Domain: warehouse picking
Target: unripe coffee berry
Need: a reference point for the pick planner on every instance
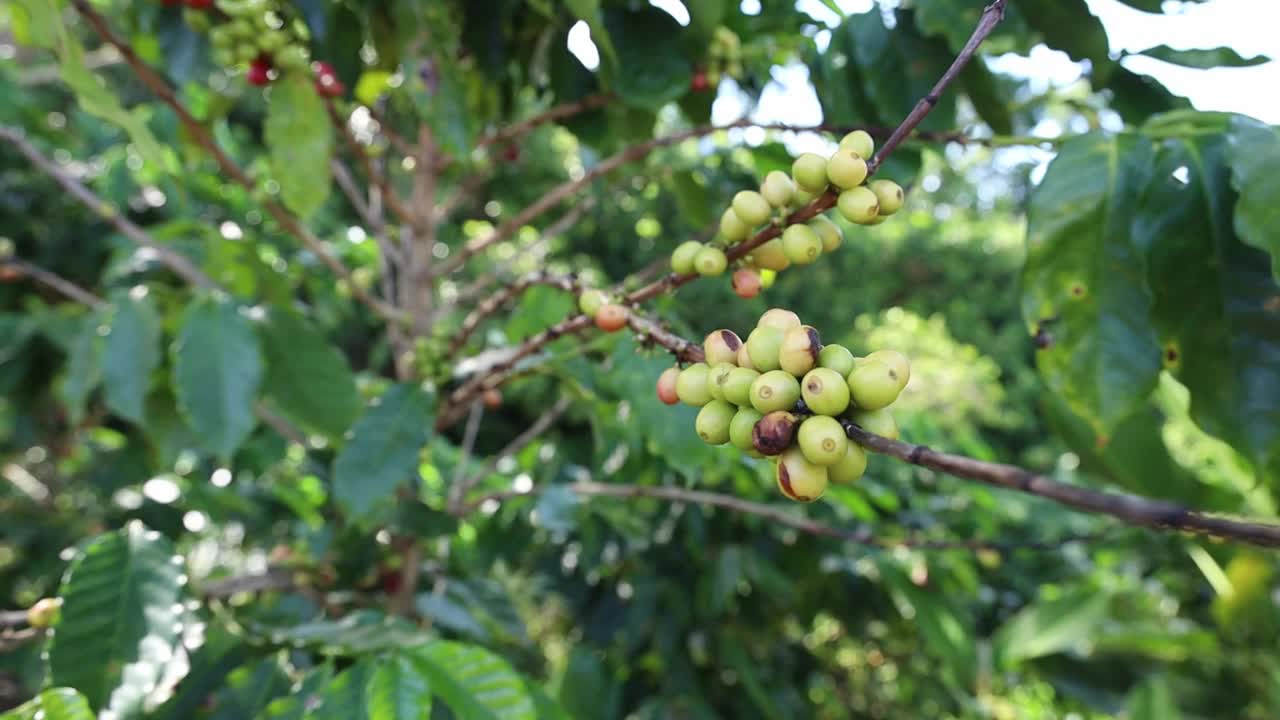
(801, 244)
(822, 440)
(590, 301)
(771, 256)
(752, 208)
(799, 479)
(836, 357)
(779, 318)
(732, 228)
(736, 388)
(858, 205)
(810, 172)
(830, 233)
(880, 422)
(667, 386)
(774, 432)
(712, 424)
(799, 352)
(611, 317)
(846, 169)
(873, 385)
(825, 392)
(744, 358)
(682, 257)
(44, 612)
(762, 346)
(746, 283)
(778, 189)
(860, 142)
(721, 346)
(716, 378)
(710, 261)
(889, 193)
(898, 363)
(692, 385)
(850, 467)
(774, 390)
(741, 427)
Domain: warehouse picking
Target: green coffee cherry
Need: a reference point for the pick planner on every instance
(713, 421)
(825, 392)
(858, 205)
(272, 41)
(860, 142)
(716, 377)
(224, 57)
(771, 256)
(682, 257)
(802, 197)
(721, 346)
(752, 208)
(589, 301)
(836, 357)
(774, 432)
(732, 228)
(828, 231)
(246, 52)
(774, 390)
(873, 385)
(744, 358)
(810, 172)
(850, 467)
(800, 479)
(778, 189)
(898, 363)
(822, 440)
(880, 422)
(778, 318)
(762, 346)
(691, 386)
(736, 388)
(846, 169)
(197, 20)
(294, 59)
(710, 261)
(740, 428)
(799, 351)
(889, 193)
(801, 244)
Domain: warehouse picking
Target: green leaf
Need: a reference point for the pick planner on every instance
(653, 69)
(983, 90)
(1152, 700)
(1047, 627)
(84, 365)
(588, 11)
(382, 454)
(896, 67)
(1254, 153)
(121, 618)
(250, 689)
(539, 308)
(216, 372)
(130, 354)
(1221, 339)
(356, 633)
(307, 377)
(1070, 27)
(948, 635)
(300, 141)
(1084, 280)
(307, 693)
(397, 690)
(53, 704)
(1203, 58)
(346, 697)
(473, 682)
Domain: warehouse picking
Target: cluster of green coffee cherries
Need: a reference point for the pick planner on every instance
(262, 39)
(783, 394)
(860, 202)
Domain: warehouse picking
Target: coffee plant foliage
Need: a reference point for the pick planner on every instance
(258, 496)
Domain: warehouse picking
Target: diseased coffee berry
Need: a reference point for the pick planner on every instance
(810, 172)
(800, 479)
(873, 385)
(611, 317)
(771, 256)
(752, 208)
(590, 301)
(774, 390)
(846, 169)
(717, 377)
(889, 194)
(836, 357)
(721, 346)
(712, 424)
(860, 142)
(822, 440)
(897, 362)
(801, 244)
(741, 427)
(850, 467)
(778, 318)
(858, 205)
(710, 261)
(880, 422)
(682, 257)
(799, 352)
(737, 386)
(732, 228)
(744, 358)
(830, 233)
(778, 189)
(492, 398)
(774, 432)
(692, 385)
(762, 346)
(825, 391)
(746, 283)
(44, 612)
(667, 386)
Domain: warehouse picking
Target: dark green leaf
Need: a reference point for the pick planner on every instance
(1138, 97)
(1047, 627)
(216, 373)
(473, 682)
(984, 92)
(653, 69)
(356, 633)
(1254, 153)
(121, 617)
(84, 365)
(1070, 27)
(300, 140)
(1153, 700)
(894, 68)
(948, 635)
(130, 354)
(307, 378)
(397, 690)
(249, 689)
(1203, 58)
(382, 454)
(53, 704)
(307, 694)
(347, 695)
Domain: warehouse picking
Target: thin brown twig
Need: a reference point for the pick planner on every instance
(491, 305)
(204, 138)
(52, 280)
(559, 112)
(531, 433)
(375, 177)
